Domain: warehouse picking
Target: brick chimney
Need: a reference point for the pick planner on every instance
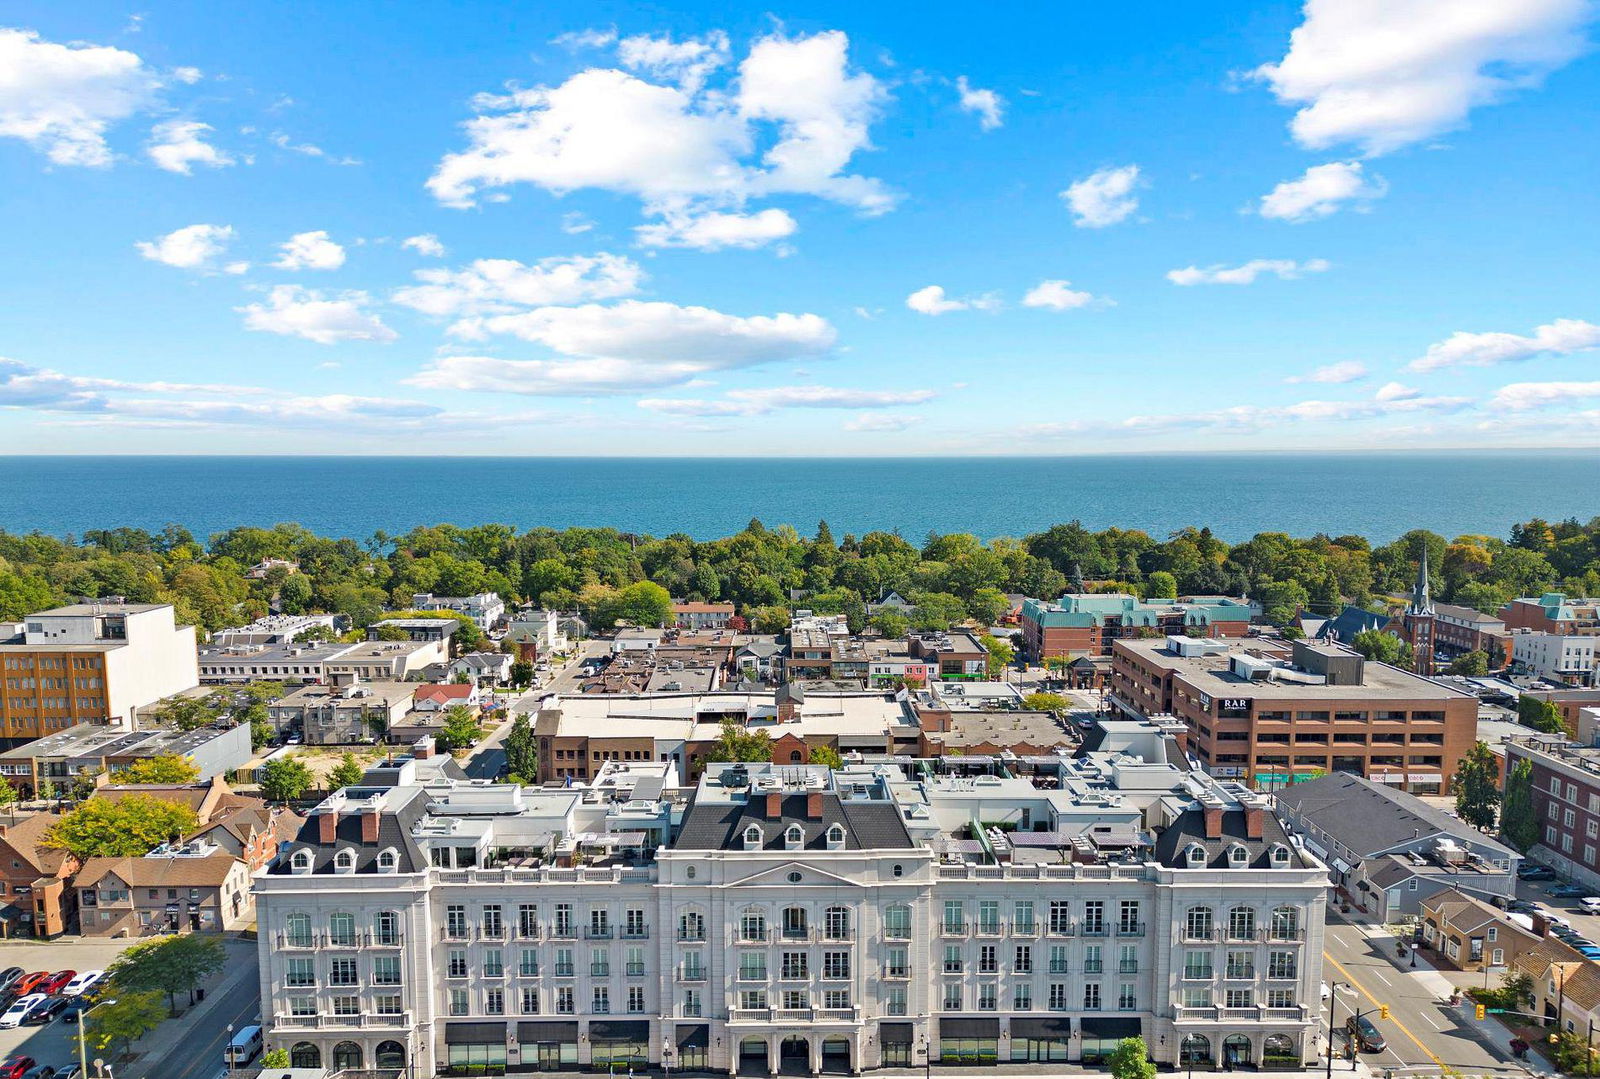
(813, 805)
(774, 805)
(328, 825)
(369, 825)
(1213, 815)
(1253, 817)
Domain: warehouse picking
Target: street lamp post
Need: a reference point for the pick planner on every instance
(83, 1034)
(1333, 1006)
(227, 1052)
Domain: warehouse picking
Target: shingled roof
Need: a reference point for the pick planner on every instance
(394, 831)
(1189, 829)
(721, 825)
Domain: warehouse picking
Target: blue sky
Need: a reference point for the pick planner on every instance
(607, 228)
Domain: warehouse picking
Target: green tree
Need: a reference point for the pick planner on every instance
(892, 624)
(1131, 1060)
(1472, 664)
(521, 674)
(8, 793)
(1161, 585)
(460, 729)
(644, 604)
(125, 827)
(274, 1058)
(169, 965)
(1542, 715)
(169, 768)
(827, 756)
(735, 743)
(1382, 647)
(1000, 655)
(347, 773)
(1518, 824)
(987, 606)
(772, 619)
(284, 779)
(1477, 783)
(522, 753)
(114, 1026)
(1045, 702)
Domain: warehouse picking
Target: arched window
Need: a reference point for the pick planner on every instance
(344, 861)
(1196, 854)
(305, 1055)
(691, 925)
(1236, 1050)
(1196, 1049)
(794, 923)
(794, 837)
(1279, 854)
(752, 838)
(835, 836)
(836, 923)
(795, 757)
(388, 860)
(387, 925)
(389, 1055)
(346, 1055)
(753, 924)
(1237, 855)
(297, 931)
(1279, 1049)
(342, 930)
(1286, 923)
(1199, 924)
(1242, 923)
(301, 861)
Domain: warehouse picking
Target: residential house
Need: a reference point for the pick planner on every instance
(437, 698)
(346, 714)
(696, 615)
(194, 887)
(484, 668)
(486, 609)
(37, 898)
(1470, 934)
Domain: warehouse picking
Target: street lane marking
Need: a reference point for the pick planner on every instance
(1378, 974)
(1376, 1003)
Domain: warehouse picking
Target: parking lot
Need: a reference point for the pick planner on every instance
(1568, 910)
(55, 1043)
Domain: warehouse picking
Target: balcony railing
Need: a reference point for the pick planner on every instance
(597, 932)
(366, 1020)
(1130, 929)
(635, 932)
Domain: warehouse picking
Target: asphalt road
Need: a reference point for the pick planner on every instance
(199, 1056)
(1422, 1031)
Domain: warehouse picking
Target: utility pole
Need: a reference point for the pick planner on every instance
(1333, 1006)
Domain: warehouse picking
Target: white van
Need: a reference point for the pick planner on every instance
(244, 1047)
(1590, 904)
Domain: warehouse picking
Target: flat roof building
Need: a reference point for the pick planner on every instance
(1086, 624)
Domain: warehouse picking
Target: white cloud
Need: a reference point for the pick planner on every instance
(881, 422)
(309, 149)
(310, 251)
(178, 145)
(1396, 391)
(986, 104)
(294, 311)
(675, 146)
(61, 99)
(627, 347)
(1334, 374)
(585, 39)
(687, 62)
(495, 286)
(1246, 274)
(1056, 295)
(574, 224)
(933, 301)
(1104, 197)
(761, 401)
(1322, 191)
(193, 247)
(1522, 396)
(713, 231)
(188, 75)
(1384, 74)
(1561, 337)
(426, 244)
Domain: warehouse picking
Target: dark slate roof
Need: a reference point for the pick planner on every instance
(1370, 817)
(1352, 620)
(1190, 828)
(394, 830)
(867, 825)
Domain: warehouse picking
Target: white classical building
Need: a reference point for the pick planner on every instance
(790, 918)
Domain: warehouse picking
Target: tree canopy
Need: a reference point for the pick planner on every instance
(1477, 787)
(735, 743)
(460, 730)
(347, 773)
(122, 827)
(1045, 702)
(169, 965)
(1518, 824)
(169, 768)
(283, 779)
(115, 1025)
(1131, 1060)
(522, 752)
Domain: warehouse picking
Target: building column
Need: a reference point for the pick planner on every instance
(814, 1053)
(774, 1054)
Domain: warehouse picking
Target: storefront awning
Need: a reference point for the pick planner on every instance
(1051, 1027)
(698, 1037)
(547, 1031)
(1110, 1026)
(620, 1030)
(969, 1028)
(1341, 865)
(896, 1033)
(474, 1033)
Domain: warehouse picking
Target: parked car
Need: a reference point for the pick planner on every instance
(1522, 906)
(1535, 871)
(19, 1011)
(71, 1071)
(1365, 1034)
(15, 1067)
(85, 981)
(1590, 904)
(42, 1071)
(56, 982)
(1567, 891)
(1580, 943)
(43, 1013)
(10, 976)
(1588, 951)
(77, 1006)
(26, 983)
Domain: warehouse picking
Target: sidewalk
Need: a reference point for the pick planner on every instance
(154, 1049)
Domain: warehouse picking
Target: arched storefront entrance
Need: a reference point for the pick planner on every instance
(1195, 1052)
(389, 1055)
(1277, 1051)
(794, 1056)
(753, 1056)
(305, 1055)
(346, 1055)
(1236, 1051)
(836, 1055)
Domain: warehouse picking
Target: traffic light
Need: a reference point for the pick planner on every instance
(1480, 1011)
(1383, 1011)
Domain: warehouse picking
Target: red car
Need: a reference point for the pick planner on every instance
(15, 1066)
(54, 983)
(27, 983)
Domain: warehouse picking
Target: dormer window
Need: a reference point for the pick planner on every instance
(388, 860)
(794, 837)
(835, 836)
(1237, 855)
(1195, 855)
(1279, 854)
(752, 838)
(344, 861)
(300, 862)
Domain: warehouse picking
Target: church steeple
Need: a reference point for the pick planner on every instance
(1421, 603)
